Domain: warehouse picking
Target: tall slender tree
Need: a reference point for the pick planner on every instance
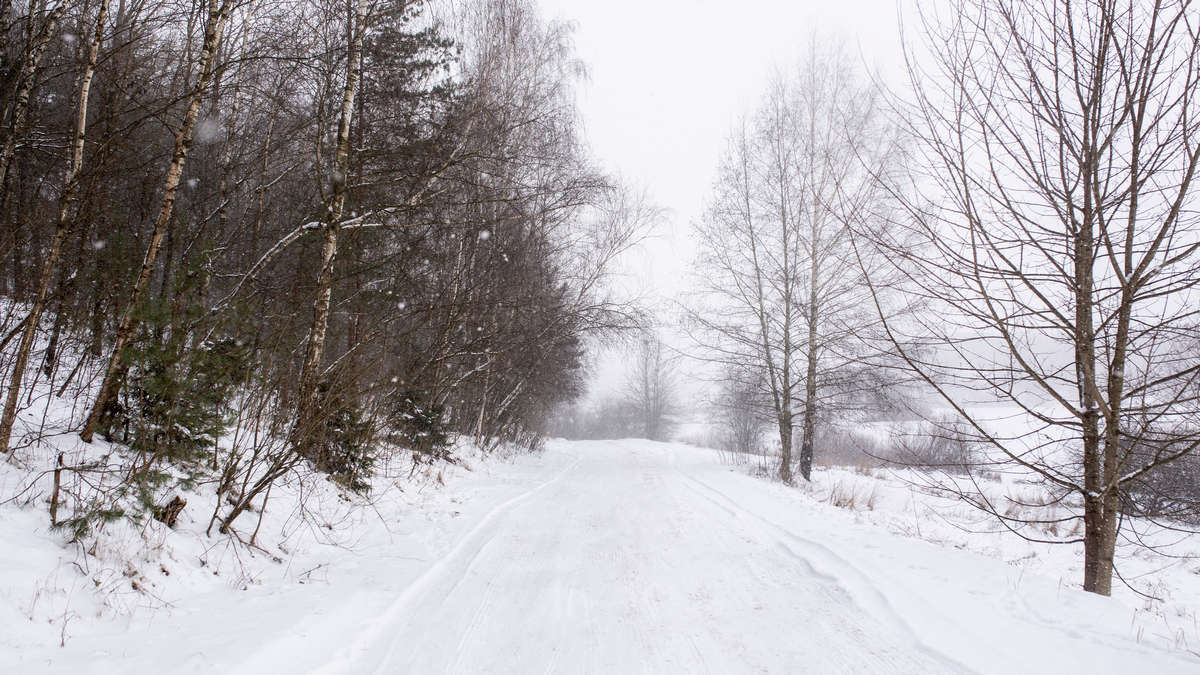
(780, 291)
(65, 220)
(214, 27)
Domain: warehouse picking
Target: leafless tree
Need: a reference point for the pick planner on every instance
(652, 387)
(780, 292)
(739, 413)
(214, 27)
(65, 220)
(1058, 246)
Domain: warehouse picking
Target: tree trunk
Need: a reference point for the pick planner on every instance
(310, 377)
(810, 379)
(1097, 570)
(20, 106)
(810, 417)
(5, 17)
(217, 17)
(50, 358)
(785, 443)
(60, 233)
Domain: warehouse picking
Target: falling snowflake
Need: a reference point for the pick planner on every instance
(207, 130)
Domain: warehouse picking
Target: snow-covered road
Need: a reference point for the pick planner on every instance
(633, 557)
(624, 563)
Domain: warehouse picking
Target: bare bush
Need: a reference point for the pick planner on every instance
(847, 447)
(1171, 491)
(949, 445)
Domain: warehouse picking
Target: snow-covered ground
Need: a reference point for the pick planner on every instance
(591, 557)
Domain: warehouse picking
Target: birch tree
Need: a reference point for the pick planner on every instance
(780, 293)
(214, 26)
(65, 219)
(652, 388)
(356, 27)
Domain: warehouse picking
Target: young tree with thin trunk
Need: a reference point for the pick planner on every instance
(780, 293)
(310, 376)
(652, 388)
(65, 219)
(1060, 250)
(214, 27)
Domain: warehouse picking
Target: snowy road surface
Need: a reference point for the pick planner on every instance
(638, 557)
(625, 564)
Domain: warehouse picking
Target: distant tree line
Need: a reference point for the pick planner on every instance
(328, 225)
(648, 406)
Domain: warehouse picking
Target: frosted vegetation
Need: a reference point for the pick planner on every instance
(295, 295)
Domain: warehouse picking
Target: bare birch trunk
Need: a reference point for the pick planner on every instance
(5, 17)
(785, 443)
(217, 18)
(60, 236)
(33, 58)
(810, 381)
(310, 377)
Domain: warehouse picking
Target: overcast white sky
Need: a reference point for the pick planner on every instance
(668, 77)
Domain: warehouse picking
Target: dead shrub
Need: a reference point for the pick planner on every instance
(947, 445)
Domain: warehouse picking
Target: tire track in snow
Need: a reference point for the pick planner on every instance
(821, 562)
(441, 580)
(657, 577)
(485, 604)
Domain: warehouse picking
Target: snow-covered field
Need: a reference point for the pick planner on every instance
(591, 557)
